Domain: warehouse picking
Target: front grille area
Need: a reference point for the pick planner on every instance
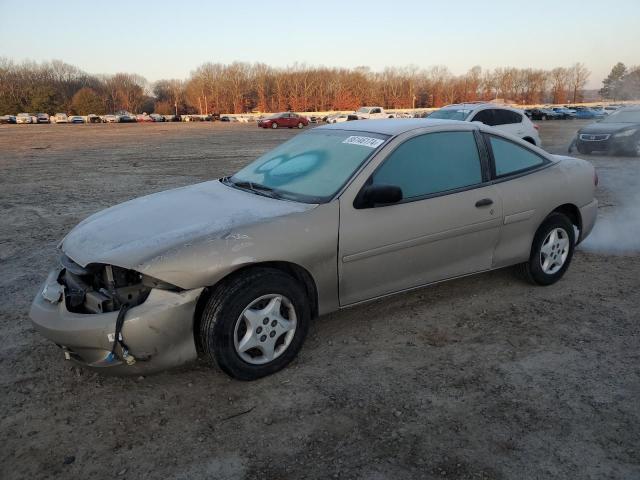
(588, 137)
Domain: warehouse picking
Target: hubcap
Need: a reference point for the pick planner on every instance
(554, 251)
(265, 329)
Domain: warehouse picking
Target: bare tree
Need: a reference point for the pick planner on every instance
(578, 76)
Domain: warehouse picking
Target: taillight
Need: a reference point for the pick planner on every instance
(535, 125)
(595, 178)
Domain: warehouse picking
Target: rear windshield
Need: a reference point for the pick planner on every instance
(451, 114)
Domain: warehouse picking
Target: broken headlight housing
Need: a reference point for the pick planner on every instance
(99, 288)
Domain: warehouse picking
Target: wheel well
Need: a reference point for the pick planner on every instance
(530, 140)
(573, 213)
(296, 271)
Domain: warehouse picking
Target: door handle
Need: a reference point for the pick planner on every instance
(485, 202)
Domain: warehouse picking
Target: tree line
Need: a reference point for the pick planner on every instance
(243, 87)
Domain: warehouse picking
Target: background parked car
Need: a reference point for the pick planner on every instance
(24, 118)
(284, 119)
(618, 133)
(586, 113)
(342, 117)
(92, 118)
(7, 119)
(110, 119)
(143, 117)
(157, 117)
(76, 119)
(565, 113)
(60, 118)
(126, 117)
(503, 118)
(42, 117)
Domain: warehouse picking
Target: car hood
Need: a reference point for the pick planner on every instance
(135, 233)
(607, 127)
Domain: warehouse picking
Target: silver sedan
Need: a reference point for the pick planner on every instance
(234, 269)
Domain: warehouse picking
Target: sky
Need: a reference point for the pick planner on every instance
(168, 39)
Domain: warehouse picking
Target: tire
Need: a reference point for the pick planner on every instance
(634, 151)
(583, 150)
(544, 117)
(223, 326)
(560, 251)
(274, 125)
(300, 125)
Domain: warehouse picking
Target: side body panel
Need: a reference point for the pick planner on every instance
(392, 248)
(530, 198)
(308, 239)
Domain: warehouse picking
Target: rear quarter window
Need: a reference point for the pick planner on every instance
(511, 158)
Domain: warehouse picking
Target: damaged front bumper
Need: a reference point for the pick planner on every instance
(158, 332)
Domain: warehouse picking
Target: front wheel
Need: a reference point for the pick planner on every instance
(583, 150)
(254, 324)
(551, 251)
(300, 125)
(274, 125)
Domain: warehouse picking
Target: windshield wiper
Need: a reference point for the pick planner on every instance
(254, 187)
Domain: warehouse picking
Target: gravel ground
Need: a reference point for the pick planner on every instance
(479, 378)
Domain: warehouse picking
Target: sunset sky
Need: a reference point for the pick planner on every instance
(168, 39)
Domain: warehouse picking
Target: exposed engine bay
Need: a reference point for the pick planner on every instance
(99, 288)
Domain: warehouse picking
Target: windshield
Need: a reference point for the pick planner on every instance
(363, 110)
(311, 167)
(275, 115)
(629, 116)
(450, 114)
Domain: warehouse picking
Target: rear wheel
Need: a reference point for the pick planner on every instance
(551, 251)
(254, 324)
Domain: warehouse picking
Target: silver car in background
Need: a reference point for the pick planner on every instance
(236, 268)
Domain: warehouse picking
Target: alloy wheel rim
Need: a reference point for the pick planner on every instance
(554, 251)
(265, 329)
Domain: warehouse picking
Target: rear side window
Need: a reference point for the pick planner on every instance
(432, 163)
(485, 116)
(505, 117)
(511, 158)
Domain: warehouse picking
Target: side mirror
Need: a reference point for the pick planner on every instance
(378, 196)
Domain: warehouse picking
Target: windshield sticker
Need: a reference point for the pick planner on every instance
(370, 142)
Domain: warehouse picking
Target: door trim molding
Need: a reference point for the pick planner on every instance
(424, 239)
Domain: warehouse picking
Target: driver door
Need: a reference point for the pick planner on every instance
(447, 224)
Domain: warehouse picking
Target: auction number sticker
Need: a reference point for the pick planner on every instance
(370, 142)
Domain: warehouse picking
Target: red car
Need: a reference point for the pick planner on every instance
(287, 119)
(143, 117)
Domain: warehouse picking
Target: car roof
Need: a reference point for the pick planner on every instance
(391, 126)
(479, 105)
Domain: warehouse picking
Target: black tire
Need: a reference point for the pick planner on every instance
(226, 304)
(532, 270)
(583, 150)
(544, 117)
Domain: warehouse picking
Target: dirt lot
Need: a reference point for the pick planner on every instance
(479, 378)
